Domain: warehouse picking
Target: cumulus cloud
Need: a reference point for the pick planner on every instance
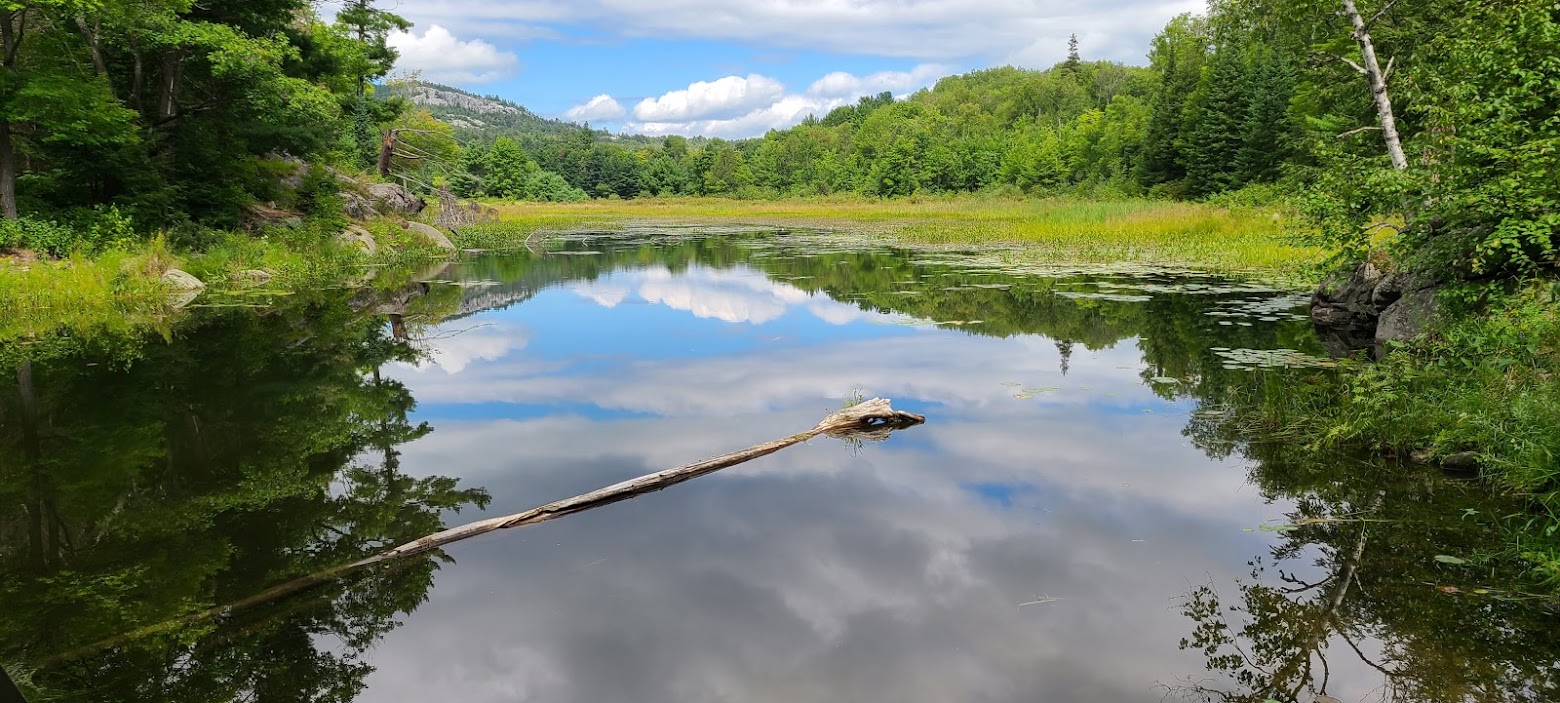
(444, 58)
(739, 295)
(842, 84)
(601, 108)
(738, 107)
(724, 98)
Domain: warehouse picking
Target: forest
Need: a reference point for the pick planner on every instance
(125, 118)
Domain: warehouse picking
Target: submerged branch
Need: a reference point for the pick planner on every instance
(872, 420)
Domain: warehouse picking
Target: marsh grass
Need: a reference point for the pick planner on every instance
(1063, 230)
(118, 289)
(121, 288)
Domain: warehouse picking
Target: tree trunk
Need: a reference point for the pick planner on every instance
(10, 37)
(94, 47)
(1378, 86)
(168, 89)
(387, 150)
(7, 173)
(137, 75)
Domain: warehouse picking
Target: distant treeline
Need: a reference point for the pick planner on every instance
(1205, 117)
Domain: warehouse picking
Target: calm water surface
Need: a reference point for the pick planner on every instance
(1081, 519)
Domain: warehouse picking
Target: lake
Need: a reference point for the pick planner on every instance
(1086, 516)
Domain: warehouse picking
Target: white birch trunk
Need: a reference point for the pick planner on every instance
(1378, 86)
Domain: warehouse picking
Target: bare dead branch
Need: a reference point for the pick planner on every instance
(874, 419)
(1352, 132)
(1341, 59)
(1379, 13)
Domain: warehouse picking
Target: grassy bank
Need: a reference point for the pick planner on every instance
(1062, 230)
(121, 286)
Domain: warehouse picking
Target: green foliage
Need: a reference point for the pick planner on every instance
(84, 231)
(506, 170)
(549, 187)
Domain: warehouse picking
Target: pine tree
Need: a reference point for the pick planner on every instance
(1178, 56)
(1216, 118)
(1074, 59)
(1268, 133)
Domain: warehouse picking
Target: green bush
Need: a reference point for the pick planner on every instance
(45, 236)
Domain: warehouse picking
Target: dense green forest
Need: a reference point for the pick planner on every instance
(119, 118)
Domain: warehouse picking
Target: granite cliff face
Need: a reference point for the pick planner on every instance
(434, 96)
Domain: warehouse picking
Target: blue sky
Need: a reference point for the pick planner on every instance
(736, 68)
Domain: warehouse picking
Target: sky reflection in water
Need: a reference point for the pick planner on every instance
(900, 572)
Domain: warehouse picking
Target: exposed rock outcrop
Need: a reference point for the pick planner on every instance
(355, 237)
(356, 205)
(391, 199)
(430, 234)
(1369, 309)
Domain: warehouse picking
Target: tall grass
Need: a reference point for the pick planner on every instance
(1062, 229)
(115, 289)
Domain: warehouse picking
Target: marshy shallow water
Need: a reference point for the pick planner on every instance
(1081, 519)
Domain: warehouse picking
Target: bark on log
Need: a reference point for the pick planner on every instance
(872, 420)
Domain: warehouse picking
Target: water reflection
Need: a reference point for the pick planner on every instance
(144, 480)
(1081, 501)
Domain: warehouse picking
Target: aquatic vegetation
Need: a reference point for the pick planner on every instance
(1057, 231)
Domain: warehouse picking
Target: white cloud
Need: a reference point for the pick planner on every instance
(842, 84)
(601, 108)
(968, 31)
(727, 97)
(444, 58)
(737, 107)
(460, 348)
(739, 295)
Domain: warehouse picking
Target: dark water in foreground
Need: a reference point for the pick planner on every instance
(1082, 518)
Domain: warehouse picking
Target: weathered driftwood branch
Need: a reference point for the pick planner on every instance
(870, 417)
(871, 420)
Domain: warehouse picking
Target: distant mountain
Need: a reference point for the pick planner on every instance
(480, 115)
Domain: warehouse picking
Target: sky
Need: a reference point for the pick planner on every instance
(737, 68)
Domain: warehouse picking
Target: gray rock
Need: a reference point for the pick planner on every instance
(1414, 314)
(294, 178)
(389, 198)
(1343, 312)
(254, 276)
(430, 234)
(356, 206)
(1462, 461)
(355, 237)
(184, 287)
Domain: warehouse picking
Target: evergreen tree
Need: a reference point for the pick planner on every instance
(1216, 117)
(1268, 133)
(1178, 56)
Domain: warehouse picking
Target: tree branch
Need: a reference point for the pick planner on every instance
(1384, 10)
(1339, 57)
(874, 419)
(1352, 132)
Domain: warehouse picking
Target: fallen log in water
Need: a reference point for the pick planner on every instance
(874, 419)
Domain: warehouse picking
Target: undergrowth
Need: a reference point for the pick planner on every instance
(1485, 384)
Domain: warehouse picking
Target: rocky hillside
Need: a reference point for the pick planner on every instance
(478, 115)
